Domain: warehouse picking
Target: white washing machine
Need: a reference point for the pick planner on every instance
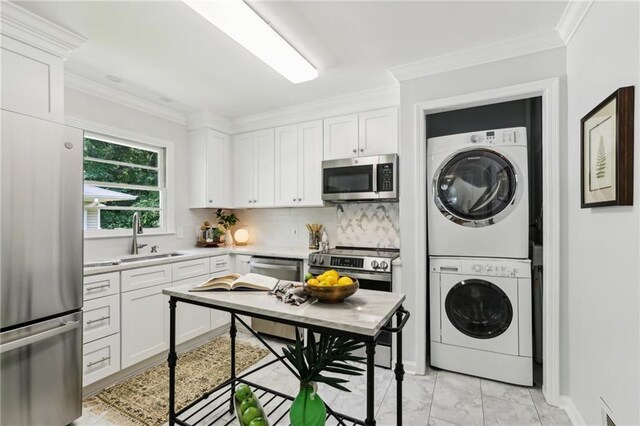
(481, 317)
(478, 199)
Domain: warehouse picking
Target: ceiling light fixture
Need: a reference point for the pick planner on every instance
(236, 19)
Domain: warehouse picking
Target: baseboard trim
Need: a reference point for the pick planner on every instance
(566, 403)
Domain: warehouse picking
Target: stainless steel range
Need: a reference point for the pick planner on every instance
(372, 268)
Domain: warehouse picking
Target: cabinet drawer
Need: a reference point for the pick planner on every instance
(100, 359)
(219, 263)
(101, 285)
(190, 269)
(101, 317)
(133, 279)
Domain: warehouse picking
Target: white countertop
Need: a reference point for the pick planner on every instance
(196, 253)
(363, 313)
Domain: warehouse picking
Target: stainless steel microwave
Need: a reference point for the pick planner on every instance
(361, 179)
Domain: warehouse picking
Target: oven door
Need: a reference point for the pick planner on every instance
(370, 281)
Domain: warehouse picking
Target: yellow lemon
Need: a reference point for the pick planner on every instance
(331, 279)
(321, 277)
(313, 281)
(333, 273)
(345, 281)
(324, 284)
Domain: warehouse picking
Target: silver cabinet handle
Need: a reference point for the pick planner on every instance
(249, 201)
(361, 149)
(30, 340)
(299, 199)
(98, 320)
(355, 150)
(269, 266)
(294, 200)
(103, 359)
(97, 287)
(210, 201)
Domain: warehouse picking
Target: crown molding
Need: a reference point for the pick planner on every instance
(81, 84)
(571, 18)
(31, 29)
(331, 107)
(479, 55)
(210, 120)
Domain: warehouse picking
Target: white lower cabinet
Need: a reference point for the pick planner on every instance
(100, 359)
(101, 317)
(191, 320)
(145, 321)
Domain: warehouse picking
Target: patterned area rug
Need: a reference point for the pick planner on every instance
(144, 398)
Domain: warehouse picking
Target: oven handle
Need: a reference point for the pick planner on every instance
(374, 177)
(400, 326)
(273, 266)
(364, 276)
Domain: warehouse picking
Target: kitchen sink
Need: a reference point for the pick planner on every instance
(131, 259)
(140, 258)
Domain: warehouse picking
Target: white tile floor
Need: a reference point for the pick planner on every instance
(439, 398)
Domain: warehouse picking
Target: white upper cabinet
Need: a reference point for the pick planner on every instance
(254, 172)
(298, 165)
(264, 169)
(358, 135)
(378, 132)
(341, 137)
(211, 175)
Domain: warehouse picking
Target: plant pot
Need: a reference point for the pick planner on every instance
(307, 409)
(228, 239)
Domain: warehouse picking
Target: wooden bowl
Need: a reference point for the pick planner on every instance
(331, 294)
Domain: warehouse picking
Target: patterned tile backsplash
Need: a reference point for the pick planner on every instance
(368, 225)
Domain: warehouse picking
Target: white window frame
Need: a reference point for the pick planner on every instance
(165, 150)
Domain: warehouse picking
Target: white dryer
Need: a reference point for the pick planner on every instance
(478, 199)
(481, 317)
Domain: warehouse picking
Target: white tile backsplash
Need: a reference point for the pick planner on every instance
(274, 227)
(368, 225)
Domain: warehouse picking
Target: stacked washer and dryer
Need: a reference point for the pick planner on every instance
(480, 276)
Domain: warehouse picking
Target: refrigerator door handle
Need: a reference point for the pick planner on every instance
(19, 343)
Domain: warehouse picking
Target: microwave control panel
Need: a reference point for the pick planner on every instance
(385, 177)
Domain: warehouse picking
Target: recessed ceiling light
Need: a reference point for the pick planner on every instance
(236, 19)
(114, 78)
(165, 99)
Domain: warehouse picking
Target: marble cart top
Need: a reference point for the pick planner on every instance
(364, 313)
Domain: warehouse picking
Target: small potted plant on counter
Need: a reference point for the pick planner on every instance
(329, 354)
(227, 221)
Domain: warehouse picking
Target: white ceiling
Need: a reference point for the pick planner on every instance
(165, 49)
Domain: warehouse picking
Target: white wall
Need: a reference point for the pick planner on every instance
(508, 72)
(273, 227)
(86, 107)
(603, 251)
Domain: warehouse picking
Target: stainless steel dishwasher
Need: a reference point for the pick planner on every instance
(282, 269)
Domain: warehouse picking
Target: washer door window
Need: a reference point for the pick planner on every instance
(479, 309)
(476, 187)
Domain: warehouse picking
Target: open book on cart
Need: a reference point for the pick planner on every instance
(237, 281)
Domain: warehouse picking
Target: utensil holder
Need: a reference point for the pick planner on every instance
(314, 238)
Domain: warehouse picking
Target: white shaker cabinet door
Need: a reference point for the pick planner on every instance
(264, 171)
(191, 320)
(378, 132)
(309, 163)
(286, 166)
(218, 161)
(341, 137)
(243, 165)
(145, 314)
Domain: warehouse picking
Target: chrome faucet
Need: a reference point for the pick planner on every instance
(136, 228)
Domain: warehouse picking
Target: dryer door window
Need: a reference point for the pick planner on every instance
(479, 309)
(476, 187)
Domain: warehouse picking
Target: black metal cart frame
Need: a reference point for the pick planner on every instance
(278, 399)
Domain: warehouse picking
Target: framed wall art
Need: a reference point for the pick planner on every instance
(606, 136)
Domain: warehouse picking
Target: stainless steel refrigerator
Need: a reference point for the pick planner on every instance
(41, 271)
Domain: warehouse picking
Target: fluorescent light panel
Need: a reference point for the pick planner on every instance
(236, 19)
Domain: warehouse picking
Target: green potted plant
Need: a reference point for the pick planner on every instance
(227, 221)
(329, 354)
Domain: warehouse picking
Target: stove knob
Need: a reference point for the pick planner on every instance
(374, 264)
(474, 139)
(384, 265)
(321, 261)
(477, 268)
